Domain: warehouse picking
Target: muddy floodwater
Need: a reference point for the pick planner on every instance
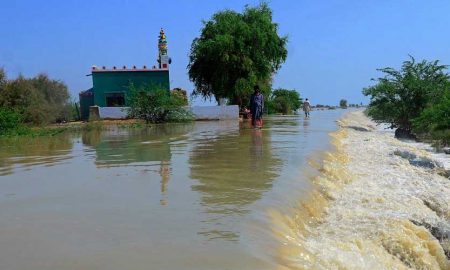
(172, 196)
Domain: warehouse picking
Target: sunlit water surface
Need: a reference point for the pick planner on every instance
(172, 196)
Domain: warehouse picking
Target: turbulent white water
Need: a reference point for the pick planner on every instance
(372, 208)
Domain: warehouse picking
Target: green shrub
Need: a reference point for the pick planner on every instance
(11, 125)
(403, 94)
(442, 136)
(157, 105)
(92, 125)
(284, 101)
(435, 120)
(10, 121)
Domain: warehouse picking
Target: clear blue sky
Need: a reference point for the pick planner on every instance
(333, 51)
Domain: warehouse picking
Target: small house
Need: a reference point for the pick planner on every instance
(110, 86)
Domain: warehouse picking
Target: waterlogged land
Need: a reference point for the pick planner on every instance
(219, 195)
(379, 203)
(175, 196)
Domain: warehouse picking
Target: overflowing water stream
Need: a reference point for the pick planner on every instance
(377, 203)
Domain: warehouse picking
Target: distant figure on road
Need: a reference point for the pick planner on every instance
(306, 107)
(256, 107)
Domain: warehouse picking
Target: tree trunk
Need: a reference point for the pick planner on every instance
(401, 133)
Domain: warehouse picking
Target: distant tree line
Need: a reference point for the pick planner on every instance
(354, 105)
(33, 101)
(415, 100)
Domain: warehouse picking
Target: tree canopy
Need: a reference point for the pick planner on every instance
(234, 52)
(284, 101)
(343, 103)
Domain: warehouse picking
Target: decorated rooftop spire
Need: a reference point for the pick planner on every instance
(162, 43)
(163, 58)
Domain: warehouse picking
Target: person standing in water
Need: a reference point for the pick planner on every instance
(257, 106)
(306, 107)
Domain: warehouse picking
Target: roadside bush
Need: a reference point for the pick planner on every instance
(280, 105)
(157, 105)
(284, 101)
(180, 94)
(9, 120)
(402, 95)
(435, 121)
(72, 111)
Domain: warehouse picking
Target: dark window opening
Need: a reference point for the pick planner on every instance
(115, 100)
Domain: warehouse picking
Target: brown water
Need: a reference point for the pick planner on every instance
(173, 196)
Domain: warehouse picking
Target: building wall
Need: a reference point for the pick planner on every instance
(86, 100)
(118, 81)
(230, 112)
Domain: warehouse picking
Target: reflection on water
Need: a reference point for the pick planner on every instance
(119, 147)
(24, 153)
(164, 172)
(171, 196)
(306, 124)
(232, 170)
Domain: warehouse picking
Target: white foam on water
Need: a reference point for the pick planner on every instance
(371, 209)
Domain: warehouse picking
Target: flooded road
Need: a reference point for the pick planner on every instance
(172, 196)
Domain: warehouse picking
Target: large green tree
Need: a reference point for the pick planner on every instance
(402, 95)
(234, 52)
(2, 78)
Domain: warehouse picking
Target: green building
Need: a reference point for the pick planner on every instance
(110, 86)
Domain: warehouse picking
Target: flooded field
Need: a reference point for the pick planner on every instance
(173, 196)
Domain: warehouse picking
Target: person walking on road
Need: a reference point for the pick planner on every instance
(306, 107)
